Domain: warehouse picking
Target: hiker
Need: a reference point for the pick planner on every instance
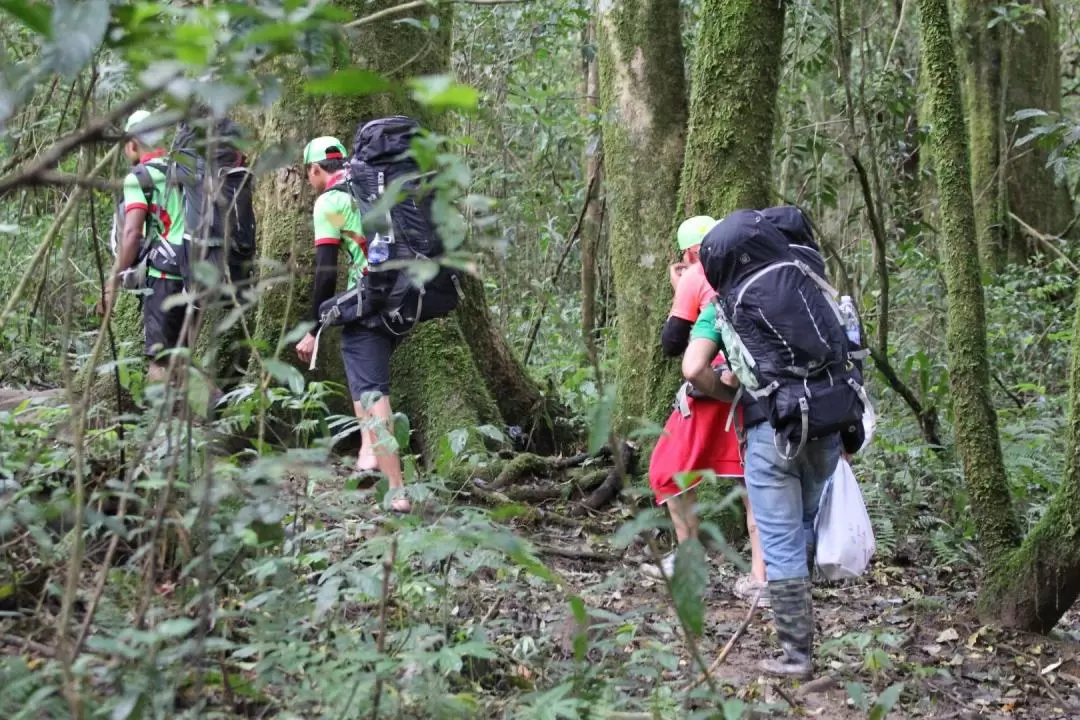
(365, 350)
(152, 230)
(692, 290)
(785, 342)
(698, 435)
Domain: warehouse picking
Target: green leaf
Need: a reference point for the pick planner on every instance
(34, 15)
(600, 420)
(130, 708)
(734, 709)
(458, 440)
(885, 701)
(440, 91)
(176, 627)
(688, 585)
(353, 82)
(1027, 114)
(286, 374)
(581, 637)
(78, 27)
(492, 432)
(857, 693)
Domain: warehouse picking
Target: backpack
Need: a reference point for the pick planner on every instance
(219, 189)
(796, 227)
(380, 161)
(782, 331)
(152, 252)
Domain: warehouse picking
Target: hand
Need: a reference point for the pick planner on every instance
(105, 303)
(729, 378)
(675, 271)
(306, 347)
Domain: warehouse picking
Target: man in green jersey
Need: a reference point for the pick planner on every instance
(366, 351)
(153, 225)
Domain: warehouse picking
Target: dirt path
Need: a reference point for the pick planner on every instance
(906, 625)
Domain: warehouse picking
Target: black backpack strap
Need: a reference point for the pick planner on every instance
(146, 183)
(142, 174)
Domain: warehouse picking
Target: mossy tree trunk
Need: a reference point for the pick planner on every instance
(736, 76)
(433, 377)
(981, 58)
(1032, 80)
(643, 94)
(969, 378)
(1006, 71)
(1035, 585)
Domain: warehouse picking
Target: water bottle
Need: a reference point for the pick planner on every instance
(378, 250)
(851, 319)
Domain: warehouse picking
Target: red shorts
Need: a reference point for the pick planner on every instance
(696, 443)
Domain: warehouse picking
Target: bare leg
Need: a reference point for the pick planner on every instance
(757, 557)
(379, 419)
(683, 516)
(156, 373)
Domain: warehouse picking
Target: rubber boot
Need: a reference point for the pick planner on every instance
(793, 613)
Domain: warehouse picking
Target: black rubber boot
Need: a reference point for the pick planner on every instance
(793, 613)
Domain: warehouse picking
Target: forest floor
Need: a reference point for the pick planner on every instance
(909, 624)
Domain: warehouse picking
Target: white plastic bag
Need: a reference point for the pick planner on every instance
(845, 539)
(869, 421)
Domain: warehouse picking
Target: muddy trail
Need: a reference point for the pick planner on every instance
(903, 635)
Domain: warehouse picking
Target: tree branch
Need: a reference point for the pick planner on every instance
(96, 130)
(1046, 241)
(414, 4)
(574, 233)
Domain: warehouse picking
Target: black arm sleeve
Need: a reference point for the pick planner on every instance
(325, 278)
(675, 336)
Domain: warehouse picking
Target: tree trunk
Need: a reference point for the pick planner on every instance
(643, 91)
(433, 379)
(1035, 585)
(736, 75)
(969, 379)
(1004, 72)
(1032, 80)
(980, 56)
(594, 217)
(520, 402)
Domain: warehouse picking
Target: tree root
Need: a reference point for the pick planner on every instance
(612, 485)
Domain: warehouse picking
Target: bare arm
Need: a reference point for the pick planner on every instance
(697, 368)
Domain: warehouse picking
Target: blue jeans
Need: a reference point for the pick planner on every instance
(785, 496)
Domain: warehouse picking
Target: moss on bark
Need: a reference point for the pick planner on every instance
(1035, 585)
(736, 75)
(643, 93)
(433, 378)
(1032, 80)
(1006, 71)
(976, 422)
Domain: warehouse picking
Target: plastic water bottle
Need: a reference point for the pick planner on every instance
(851, 319)
(378, 250)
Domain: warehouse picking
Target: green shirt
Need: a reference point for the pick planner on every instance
(705, 326)
(336, 221)
(166, 210)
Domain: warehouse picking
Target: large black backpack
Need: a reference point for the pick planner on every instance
(782, 331)
(219, 190)
(382, 162)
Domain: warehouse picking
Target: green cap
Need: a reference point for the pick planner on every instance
(693, 231)
(324, 148)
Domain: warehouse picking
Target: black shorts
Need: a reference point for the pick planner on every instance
(161, 327)
(366, 353)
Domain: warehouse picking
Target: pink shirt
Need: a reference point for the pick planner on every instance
(692, 293)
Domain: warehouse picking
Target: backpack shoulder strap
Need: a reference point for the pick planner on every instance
(146, 183)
